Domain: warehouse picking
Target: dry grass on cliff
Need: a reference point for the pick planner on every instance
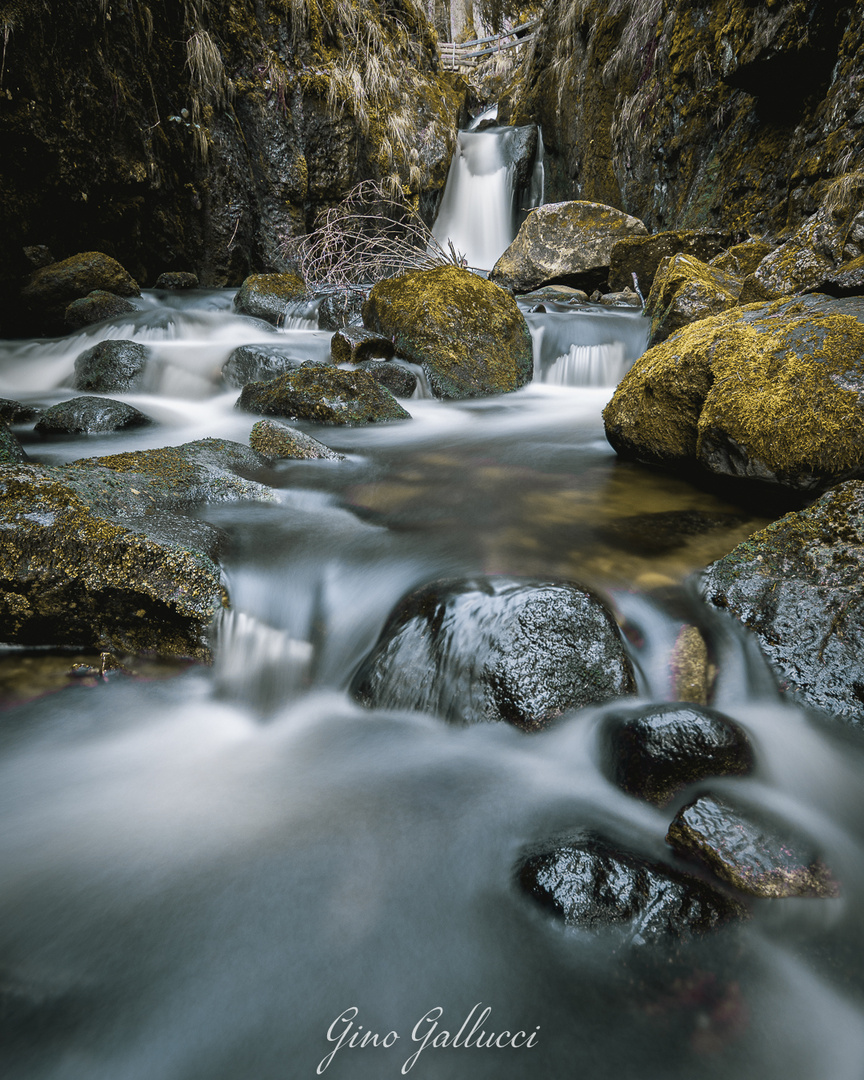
(370, 236)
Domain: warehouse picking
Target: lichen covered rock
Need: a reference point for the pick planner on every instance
(491, 649)
(642, 255)
(742, 259)
(767, 392)
(468, 335)
(568, 242)
(111, 367)
(89, 416)
(269, 296)
(102, 576)
(324, 395)
(95, 307)
(275, 440)
(52, 288)
(686, 290)
(797, 586)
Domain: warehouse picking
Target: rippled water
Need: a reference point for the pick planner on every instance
(203, 872)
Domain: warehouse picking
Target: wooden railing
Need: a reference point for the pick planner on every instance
(469, 53)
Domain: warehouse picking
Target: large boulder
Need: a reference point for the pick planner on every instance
(323, 395)
(111, 367)
(95, 307)
(89, 416)
(490, 649)
(86, 562)
(468, 335)
(270, 296)
(642, 255)
(685, 290)
(52, 288)
(797, 586)
(568, 242)
(771, 392)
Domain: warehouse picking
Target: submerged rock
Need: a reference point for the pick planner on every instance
(51, 289)
(176, 279)
(275, 440)
(686, 290)
(568, 242)
(797, 586)
(269, 296)
(654, 751)
(353, 344)
(468, 335)
(89, 416)
(94, 573)
(95, 307)
(642, 255)
(757, 857)
(771, 392)
(590, 885)
(490, 649)
(111, 367)
(11, 449)
(258, 363)
(324, 395)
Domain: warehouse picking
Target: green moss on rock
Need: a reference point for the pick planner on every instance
(269, 296)
(323, 395)
(685, 290)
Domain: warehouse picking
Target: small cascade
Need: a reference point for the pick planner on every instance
(482, 204)
(589, 365)
(585, 346)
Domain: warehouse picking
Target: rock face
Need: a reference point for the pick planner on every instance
(590, 885)
(641, 255)
(568, 242)
(269, 296)
(468, 335)
(51, 289)
(89, 416)
(686, 290)
(258, 363)
(767, 392)
(102, 572)
(492, 649)
(275, 440)
(111, 367)
(654, 752)
(324, 395)
(94, 307)
(797, 586)
(757, 857)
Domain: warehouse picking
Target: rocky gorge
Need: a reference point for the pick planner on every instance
(431, 637)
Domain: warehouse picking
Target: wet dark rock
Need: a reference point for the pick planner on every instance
(89, 416)
(177, 279)
(270, 296)
(769, 392)
(14, 412)
(490, 649)
(591, 886)
(171, 477)
(399, 380)
(342, 308)
(258, 363)
(95, 307)
(111, 367)
(642, 255)
(797, 586)
(747, 850)
(324, 395)
(90, 571)
(51, 289)
(468, 335)
(522, 150)
(11, 449)
(685, 290)
(654, 751)
(568, 242)
(275, 440)
(353, 344)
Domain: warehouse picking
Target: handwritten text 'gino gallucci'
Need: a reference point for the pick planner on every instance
(427, 1033)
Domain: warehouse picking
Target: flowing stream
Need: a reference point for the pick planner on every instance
(206, 871)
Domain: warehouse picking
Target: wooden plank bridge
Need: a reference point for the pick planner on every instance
(470, 53)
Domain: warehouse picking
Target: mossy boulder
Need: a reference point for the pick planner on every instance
(258, 363)
(797, 586)
(491, 649)
(353, 344)
(269, 296)
(89, 416)
(567, 242)
(468, 335)
(742, 259)
(685, 290)
(323, 395)
(111, 367)
(102, 576)
(642, 255)
(52, 288)
(95, 307)
(770, 392)
(11, 449)
(176, 279)
(846, 280)
(275, 440)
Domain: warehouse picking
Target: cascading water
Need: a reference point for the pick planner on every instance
(203, 873)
